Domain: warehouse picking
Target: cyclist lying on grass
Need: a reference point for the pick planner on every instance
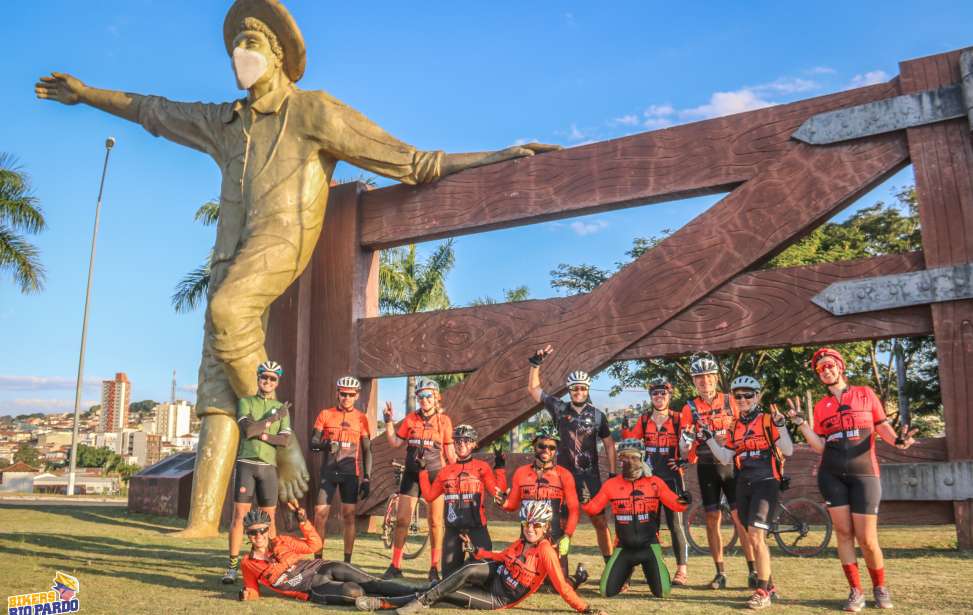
(279, 565)
(502, 580)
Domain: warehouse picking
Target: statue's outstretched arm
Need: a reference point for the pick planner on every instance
(453, 163)
(69, 90)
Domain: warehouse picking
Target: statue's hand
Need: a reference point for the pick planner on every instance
(527, 149)
(292, 474)
(60, 87)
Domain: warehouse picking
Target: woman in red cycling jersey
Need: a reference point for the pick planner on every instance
(846, 422)
(502, 579)
(428, 435)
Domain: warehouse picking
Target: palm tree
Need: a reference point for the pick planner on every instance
(19, 213)
(407, 285)
(191, 290)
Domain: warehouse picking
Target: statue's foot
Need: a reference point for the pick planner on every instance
(197, 531)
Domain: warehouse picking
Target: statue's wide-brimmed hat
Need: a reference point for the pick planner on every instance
(280, 22)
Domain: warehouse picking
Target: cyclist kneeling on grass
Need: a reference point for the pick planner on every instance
(757, 444)
(279, 564)
(503, 579)
(635, 497)
(464, 486)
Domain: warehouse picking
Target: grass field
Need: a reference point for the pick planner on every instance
(130, 564)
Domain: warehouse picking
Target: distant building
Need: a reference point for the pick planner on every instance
(186, 442)
(53, 439)
(18, 478)
(111, 439)
(83, 484)
(115, 397)
(140, 448)
(172, 419)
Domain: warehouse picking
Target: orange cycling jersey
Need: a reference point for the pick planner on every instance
(661, 441)
(465, 484)
(425, 436)
(848, 428)
(754, 447)
(718, 417)
(344, 430)
(523, 568)
(556, 485)
(284, 563)
(635, 507)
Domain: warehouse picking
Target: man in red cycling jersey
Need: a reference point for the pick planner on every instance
(464, 485)
(756, 444)
(426, 433)
(544, 480)
(659, 430)
(713, 411)
(636, 498)
(846, 422)
(342, 434)
(501, 580)
(280, 565)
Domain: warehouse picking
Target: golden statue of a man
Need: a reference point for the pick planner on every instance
(277, 149)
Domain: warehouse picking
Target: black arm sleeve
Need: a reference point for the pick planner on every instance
(366, 457)
(316, 440)
(280, 439)
(250, 428)
(604, 429)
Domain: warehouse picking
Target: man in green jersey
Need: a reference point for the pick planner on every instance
(265, 426)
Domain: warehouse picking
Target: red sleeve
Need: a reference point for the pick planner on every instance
(668, 496)
(447, 426)
(319, 422)
(501, 476)
(513, 500)
(251, 579)
(551, 567)
(597, 503)
(878, 412)
(433, 491)
(403, 431)
(494, 556)
(571, 499)
(312, 541)
(486, 477)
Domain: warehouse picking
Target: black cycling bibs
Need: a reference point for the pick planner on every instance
(579, 431)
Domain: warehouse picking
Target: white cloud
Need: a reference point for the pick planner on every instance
(727, 103)
(187, 388)
(821, 70)
(22, 406)
(524, 140)
(655, 123)
(870, 78)
(575, 134)
(659, 110)
(37, 383)
(588, 228)
(787, 85)
(626, 120)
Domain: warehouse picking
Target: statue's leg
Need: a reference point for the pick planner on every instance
(216, 405)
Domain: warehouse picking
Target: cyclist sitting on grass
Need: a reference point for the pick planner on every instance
(464, 485)
(757, 444)
(502, 579)
(636, 498)
(280, 565)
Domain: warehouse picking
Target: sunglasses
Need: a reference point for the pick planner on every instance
(259, 531)
(268, 377)
(343, 394)
(750, 395)
(535, 526)
(578, 389)
(424, 394)
(463, 441)
(659, 393)
(823, 367)
(546, 447)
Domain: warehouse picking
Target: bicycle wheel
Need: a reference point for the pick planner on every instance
(803, 528)
(388, 524)
(696, 530)
(418, 536)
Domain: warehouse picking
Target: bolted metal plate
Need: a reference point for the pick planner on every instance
(883, 116)
(940, 481)
(899, 290)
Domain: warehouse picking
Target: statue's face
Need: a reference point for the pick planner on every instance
(254, 41)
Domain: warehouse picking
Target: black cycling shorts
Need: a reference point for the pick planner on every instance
(716, 478)
(410, 482)
(757, 501)
(259, 478)
(862, 493)
(334, 481)
(587, 486)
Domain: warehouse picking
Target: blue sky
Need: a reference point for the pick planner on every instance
(455, 76)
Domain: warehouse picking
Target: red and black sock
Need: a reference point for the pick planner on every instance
(853, 576)
(878, 576)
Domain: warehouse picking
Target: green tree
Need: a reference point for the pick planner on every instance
(29, 455)
(93, 457)
(191, 290)
(510, 295)
(19, 213)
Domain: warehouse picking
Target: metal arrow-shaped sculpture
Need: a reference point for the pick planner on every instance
(900, 290)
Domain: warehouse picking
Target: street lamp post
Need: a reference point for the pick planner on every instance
(109, 143)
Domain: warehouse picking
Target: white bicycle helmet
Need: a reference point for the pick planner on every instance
(703, 363)
(536, 511)
(424, 384)
(270, 366)
(579, 377)
(745, 382)
(349, 382)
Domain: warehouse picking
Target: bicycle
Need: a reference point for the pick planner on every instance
(418, 536)
(803, 528)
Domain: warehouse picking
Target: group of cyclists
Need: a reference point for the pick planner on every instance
(737, 444)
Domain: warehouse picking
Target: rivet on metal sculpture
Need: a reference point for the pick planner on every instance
(899, 290)
(891, 114)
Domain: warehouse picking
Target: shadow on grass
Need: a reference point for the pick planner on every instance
(109, 516)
